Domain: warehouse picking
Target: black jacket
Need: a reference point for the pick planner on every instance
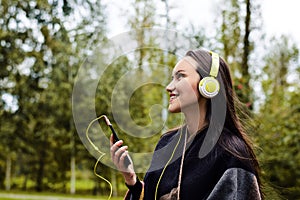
(218, 175)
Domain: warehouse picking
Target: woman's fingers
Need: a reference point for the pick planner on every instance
(118, 155)
(117, 152)
(122, 157)
(114, 147)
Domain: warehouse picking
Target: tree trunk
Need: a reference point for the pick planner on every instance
(246, 52)
(8, 172)
(73, 175)
(24, 185)
(246, 39)
(114, 183)
(40, 172)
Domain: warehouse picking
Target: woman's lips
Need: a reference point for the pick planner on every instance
(172, 97)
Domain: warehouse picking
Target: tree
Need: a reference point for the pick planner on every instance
(138, 68)
(278, 118)
(237, 26)
(38, 48)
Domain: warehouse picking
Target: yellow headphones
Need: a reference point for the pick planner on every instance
(209, 86)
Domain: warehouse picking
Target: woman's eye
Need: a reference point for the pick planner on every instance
(179, 76)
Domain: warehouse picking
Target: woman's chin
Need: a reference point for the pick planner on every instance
(174, 110)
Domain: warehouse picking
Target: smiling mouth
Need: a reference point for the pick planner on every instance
(173, 96)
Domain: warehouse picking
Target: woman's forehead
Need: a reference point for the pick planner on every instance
(187, 63)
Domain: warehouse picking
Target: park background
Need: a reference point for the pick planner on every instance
(44, 43)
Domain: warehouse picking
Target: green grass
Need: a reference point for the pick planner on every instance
(83, 186)
(85, 183)
(35, 196)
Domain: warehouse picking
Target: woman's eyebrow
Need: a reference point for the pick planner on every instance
(179, 71)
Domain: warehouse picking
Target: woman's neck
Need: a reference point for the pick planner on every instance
(195, 119)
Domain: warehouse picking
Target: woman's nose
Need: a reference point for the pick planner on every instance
(170, 87)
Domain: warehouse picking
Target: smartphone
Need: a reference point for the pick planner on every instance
(115, 136)
(115, 139)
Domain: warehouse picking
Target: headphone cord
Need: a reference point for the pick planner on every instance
(100, 157)
(171, 157)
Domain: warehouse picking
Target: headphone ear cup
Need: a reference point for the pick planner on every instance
(209, 87)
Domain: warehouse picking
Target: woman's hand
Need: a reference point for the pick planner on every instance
(118, 154)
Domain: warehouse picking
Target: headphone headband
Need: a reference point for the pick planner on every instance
(214, 64)
(209, 86)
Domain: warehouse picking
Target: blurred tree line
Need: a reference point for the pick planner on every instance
(43, 44)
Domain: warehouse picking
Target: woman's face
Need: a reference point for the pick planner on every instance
(183, 88)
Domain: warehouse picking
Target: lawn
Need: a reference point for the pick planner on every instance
(50, 196)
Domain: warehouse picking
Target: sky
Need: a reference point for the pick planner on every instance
(279, 16)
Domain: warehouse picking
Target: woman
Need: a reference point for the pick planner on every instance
(210, 156)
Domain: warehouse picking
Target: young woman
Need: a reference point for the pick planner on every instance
(210, 156)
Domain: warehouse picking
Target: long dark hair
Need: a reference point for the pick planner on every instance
(241, 148)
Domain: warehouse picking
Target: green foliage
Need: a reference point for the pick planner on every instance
(38, 63)
(275, 129)
(240, 20)
(42, 47)
(279, 139)
(278, 120)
